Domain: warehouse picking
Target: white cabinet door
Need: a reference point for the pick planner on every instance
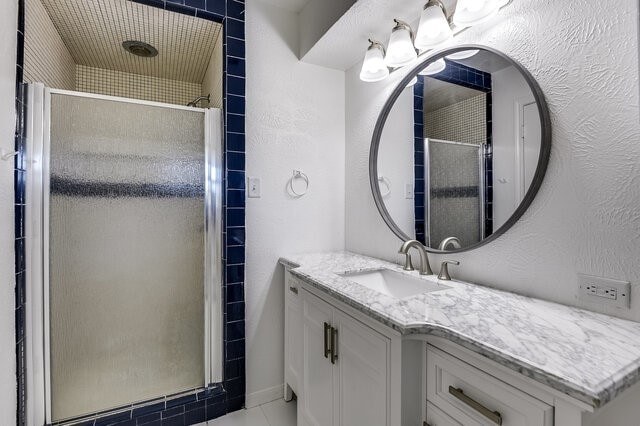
(318, 372)
(292, 335)
(363, 378)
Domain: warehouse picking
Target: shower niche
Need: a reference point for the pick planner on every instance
(124, 208)
(123, 48)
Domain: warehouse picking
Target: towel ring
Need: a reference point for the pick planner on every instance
(7, 155)
(387, 183)
(297, 174)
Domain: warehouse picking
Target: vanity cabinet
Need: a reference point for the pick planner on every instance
(348, 369)
(293, 337)
(345, 368)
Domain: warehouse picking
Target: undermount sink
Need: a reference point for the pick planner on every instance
(393, 283)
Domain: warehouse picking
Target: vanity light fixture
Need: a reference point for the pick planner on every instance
(434, 68)
(400, 51)
(373, 67)
(463, 54)
(473, 12)
(434, 28)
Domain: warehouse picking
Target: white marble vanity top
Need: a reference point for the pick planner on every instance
(589, 356)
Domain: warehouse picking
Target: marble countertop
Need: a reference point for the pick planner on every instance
(554, 344)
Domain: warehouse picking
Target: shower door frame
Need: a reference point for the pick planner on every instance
(427, 186)
(37, 346)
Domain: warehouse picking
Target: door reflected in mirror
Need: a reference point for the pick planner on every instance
(459, 150)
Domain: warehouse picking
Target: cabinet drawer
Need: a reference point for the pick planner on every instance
(437, 417)
(472, 397)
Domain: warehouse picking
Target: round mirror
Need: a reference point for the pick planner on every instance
(460, 149)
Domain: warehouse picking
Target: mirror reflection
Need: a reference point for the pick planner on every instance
(459, 150)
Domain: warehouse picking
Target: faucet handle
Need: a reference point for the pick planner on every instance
(408, 266)
(444, 269)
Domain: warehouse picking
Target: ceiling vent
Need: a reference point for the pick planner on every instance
(140, 48)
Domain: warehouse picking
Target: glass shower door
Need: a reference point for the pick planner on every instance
(126, 249)
(455, 202)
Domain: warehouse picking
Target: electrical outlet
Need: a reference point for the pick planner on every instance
(254, 188)
(604, 291)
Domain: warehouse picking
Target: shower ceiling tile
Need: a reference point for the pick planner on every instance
(93, 31)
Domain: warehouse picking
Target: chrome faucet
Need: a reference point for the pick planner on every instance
(450, 241)
(425, 268)
(444, 269)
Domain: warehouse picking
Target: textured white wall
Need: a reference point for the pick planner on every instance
(395, 161)
(585, 217)
(8, 20)
(508, 87)
(295, 120)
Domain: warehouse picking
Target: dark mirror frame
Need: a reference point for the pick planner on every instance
(543, 159)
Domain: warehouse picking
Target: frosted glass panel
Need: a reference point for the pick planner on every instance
(455, 204)
(126, 253)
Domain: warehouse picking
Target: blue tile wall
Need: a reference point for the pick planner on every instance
(215, 400)
(19, 194)
(180, 410)
(463, 75)
(418, 143)
(488, 169)
(466, 76)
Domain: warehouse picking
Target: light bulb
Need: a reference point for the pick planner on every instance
(434, 28)
(434, 67)
(400, 51)
(373, 67)
(463, 54)
(473, 12)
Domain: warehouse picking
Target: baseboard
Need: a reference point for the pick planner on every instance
(263, 396)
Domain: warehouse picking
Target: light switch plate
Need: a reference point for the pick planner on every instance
(604, 291)
(408, 191)
(253, 190)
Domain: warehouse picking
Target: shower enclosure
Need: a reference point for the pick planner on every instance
(123, 251)
(454, 205)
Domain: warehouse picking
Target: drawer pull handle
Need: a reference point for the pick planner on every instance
(327, 349)
(334, 345)
(293, 289)
(494, 416)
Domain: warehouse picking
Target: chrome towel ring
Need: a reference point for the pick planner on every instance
(297, 174)
(387, 183)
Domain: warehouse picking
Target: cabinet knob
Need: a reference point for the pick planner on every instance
(293, 289)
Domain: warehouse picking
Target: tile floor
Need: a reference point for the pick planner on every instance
(276, 413)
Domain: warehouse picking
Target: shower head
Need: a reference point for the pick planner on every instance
(140, 48)
(194, 102)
